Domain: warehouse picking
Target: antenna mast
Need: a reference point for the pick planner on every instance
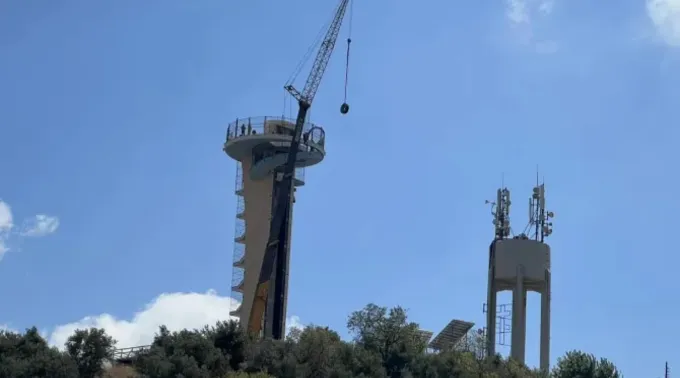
(501, 213)
(539, 218)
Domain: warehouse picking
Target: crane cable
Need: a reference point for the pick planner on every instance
(313, 47)
(345, 107)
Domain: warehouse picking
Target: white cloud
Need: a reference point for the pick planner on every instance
(40, 225)
(5, 216)
(522, 15)
(546, 6)
(517, 11)
(523, 11)
(36, 226)
(294, 322)
(665, 15)
(176, 311)
(6, 224)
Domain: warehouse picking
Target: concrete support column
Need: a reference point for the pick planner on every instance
(545, 324)
(519, 320)
(491, 315)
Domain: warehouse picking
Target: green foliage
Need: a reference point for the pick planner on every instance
(385, 344)
(387, 334)
(28, 356)
(241, 374)
(187, 353)
(89, 348)
(579, 364)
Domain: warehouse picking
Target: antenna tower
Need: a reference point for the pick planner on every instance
(520, 263)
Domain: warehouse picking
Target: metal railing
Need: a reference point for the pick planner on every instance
(276, 125)
(129, 353)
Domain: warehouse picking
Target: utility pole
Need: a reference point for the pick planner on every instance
(668, 372)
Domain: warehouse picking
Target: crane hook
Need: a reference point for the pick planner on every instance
(344, 108)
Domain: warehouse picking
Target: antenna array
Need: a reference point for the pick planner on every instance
(540, 220)
(501, 213)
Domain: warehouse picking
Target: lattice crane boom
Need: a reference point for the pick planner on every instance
(308, 93)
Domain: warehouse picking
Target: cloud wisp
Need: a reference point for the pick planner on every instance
(6, 225)
(40, 225)
(37, 226)
(524, 11)
(665, 17)
(522, 15)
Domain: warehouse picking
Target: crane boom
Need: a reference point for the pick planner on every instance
(321, 61)
(275, 261)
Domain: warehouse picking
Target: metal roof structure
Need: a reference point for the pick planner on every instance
(451, 334)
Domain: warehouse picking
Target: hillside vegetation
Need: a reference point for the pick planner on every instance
(384, 344)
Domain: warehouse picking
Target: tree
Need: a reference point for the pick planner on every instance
(28, 356)
(248, 375)
(318, 353)
(274, 357)
(360, 362)
(473, 342)
(187, 353)
(89, 349)
(385, 344)
(580, 364)
(389, 334)
(231, 340)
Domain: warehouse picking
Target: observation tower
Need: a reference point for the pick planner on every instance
(260, 147)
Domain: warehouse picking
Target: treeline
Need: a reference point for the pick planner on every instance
(384, 344)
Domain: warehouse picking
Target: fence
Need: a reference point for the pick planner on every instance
(276, 125)
(126, 354)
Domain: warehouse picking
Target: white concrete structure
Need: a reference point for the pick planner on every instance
(520, 265)
(260, 146)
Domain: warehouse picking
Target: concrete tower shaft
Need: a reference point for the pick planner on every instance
(260, 146)
(519, 265)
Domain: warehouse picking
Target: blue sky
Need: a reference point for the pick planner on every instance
(113, 115)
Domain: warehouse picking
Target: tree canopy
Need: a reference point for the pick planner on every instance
(384, 344)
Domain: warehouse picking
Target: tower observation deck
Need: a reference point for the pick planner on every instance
(260, 147)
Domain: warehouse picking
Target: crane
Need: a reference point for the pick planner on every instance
(272, 277)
